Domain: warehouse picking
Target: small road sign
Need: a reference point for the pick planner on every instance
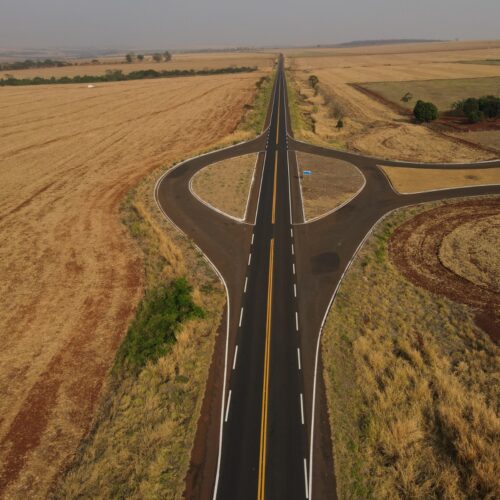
(307, 172)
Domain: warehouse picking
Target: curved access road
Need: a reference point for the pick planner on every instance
(264, 428)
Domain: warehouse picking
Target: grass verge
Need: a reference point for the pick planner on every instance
(256, 115)
(412, 385)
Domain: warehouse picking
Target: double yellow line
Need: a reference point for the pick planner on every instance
(267, 347)
(265, 383)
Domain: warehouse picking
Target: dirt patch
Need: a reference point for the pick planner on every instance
(416, 249)
(226, 185)
(332, 183)
(413, 180)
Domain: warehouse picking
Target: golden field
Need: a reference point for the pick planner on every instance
(370, 126)
(209, 60)
(413, 180)
(71, 275)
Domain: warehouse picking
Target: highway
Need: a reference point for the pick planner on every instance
(264, 430)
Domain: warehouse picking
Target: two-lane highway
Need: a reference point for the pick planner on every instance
(264, 442)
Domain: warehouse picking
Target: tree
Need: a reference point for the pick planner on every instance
(140, 57)
(130, 57)
(167, 56)
(313, 81)
(425, 111)
(157, 57)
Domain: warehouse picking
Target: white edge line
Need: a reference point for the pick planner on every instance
(260, 188)
(228, 315)
(305, 477)
(343, 204)
(318, 342)
(289, 185)
(228, 406)
(235, 357)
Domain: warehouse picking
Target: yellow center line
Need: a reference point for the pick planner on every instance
(273, 217)
(278, 121)
(265, 383)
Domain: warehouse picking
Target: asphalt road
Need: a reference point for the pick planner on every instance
(264, 429)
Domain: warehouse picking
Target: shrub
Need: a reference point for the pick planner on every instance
(407, 97)
(340, 123)
(157, 320)
(425, 112)
(313, 81)
(167, 56)
(475, 116)
(130, 57)
(157, 57)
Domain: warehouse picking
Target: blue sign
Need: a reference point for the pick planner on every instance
(307, 172)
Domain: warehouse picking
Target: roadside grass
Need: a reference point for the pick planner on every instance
(312, 113)
(443, 93)
(255, 117)
(140, 442)
(226, 184)
(412, 386)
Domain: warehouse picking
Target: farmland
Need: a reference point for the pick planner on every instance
(71, 274)
(370, 126)
(443, 93)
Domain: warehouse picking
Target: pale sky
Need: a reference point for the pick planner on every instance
(175, 24)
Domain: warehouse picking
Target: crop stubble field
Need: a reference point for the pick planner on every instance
(370, 126)
(71, 275)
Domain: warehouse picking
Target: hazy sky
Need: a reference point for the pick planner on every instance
(200, 23)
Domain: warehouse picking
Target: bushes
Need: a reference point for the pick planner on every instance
(28, 64)
(118, 76)
(476, 110)
(157, 320)
(425, 112)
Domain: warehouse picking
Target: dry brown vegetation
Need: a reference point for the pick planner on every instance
(180, 61)
(71, 275)
(370, 126)
(226, 184)
(413, 180)
(412, 385)
(332, 183)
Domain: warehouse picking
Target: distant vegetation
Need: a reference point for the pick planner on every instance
(425, 112)
(476, 110)
(119, 76)
(157, 57)
(29, 64)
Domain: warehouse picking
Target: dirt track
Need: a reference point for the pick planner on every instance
(416, 247)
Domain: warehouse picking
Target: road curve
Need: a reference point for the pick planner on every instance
(266, 433)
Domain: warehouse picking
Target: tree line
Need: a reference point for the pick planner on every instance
(157, 57)
(119, 76)
(29, 64)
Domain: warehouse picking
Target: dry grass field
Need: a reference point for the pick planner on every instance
(412, 380)
(207, 60)
(71, 275)
(443, 92)
(226, 184)
(332, 183)
(370, 126)
(414, 180)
